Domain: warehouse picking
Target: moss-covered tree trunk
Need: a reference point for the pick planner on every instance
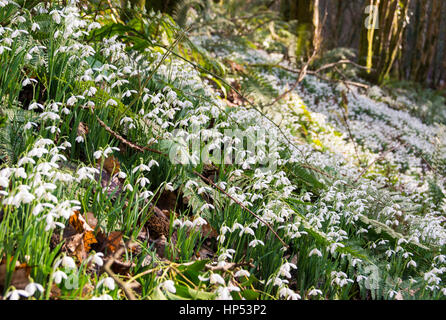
(381, 36)
(306, 12)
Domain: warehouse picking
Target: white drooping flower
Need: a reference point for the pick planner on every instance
(169, 286)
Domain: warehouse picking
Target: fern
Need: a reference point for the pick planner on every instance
(182, 8)
(255, 84)
(12, 143)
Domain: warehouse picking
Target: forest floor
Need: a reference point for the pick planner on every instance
(112, 187)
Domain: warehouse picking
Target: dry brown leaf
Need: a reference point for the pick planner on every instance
(76, 246)
(82, 129)
(111, 164)
(55, 292)
(111, 183)
(113, 241)
(208, 232)
(20, 275)
(80, 243)
(91, 219)
(79, 223)
(89, 239)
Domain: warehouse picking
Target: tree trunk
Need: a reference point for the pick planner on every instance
(382, 36)
(306, 12)
(426, 39)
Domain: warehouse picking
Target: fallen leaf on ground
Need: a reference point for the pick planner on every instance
(20, 275)
(79, 236)
(82, 129)
(111, 164)
(113, 241)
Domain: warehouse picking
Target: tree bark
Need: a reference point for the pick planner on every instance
(381, 38)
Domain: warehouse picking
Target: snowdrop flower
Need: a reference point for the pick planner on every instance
(169, 187)
(177, 222)
(29, 125)
(109, 150)
(122, 175)
(21, 173)
(128, 187)
(37, 152)
(111, 102)
(153, 163)
(223, 293)
(128, 93)
(94, 25)
(146, 194)
(107, 282)
(216, 278)
(334, 246)
(191, 183)
(242, 273)
(286, 268)
(28, 81)
(97, 259)
(67, 262)
(23, 196)
(440, 258)
(35, 26)
(289, 294)
(71, 101)
(3, 48)
(392, 293)
(360, 278)
(32, 287)
(58, 276)
(143, 181)
(141, 167)
(278, 282)
(256, 242)
(53, 129)
(49, 115)
(315, 292)
(204, 279)
(356, 261)
(56, 16)
(125, 120)
(25, 160)
(16, 294)
(169, 286)
(227, 254)
(247, 230)
(4, 182)
(206, 207)
(91, 91)
(97, 154)
(80, 139)
(411, 263)
(35, 105)
(315, 251)
(86, 173)
(199, 221)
